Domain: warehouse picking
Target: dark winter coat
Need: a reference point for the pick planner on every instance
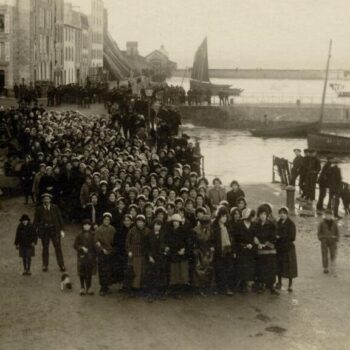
(286, 255)
(216, 239)
(25, 239)
(48, 219)
(85, 260)
(176, 239)
(232, 197)
(245, 256)
(334, 179)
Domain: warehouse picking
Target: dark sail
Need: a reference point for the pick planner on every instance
(200, 75)
(200, 70)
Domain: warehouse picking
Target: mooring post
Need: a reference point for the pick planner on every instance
(290, 191)
(273, 169)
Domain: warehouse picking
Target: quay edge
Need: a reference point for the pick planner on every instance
(247, 116)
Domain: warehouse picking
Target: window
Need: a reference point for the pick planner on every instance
(2, 23)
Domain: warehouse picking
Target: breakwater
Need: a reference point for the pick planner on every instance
(250, 116)
(295, 74)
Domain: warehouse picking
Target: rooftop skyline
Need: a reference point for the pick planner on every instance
(241, 33)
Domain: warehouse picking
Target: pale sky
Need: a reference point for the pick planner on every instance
(241, 33)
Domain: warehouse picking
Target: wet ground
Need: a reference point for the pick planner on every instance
(36, 315)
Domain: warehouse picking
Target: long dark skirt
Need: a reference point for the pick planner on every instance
(287, 266)
(104, 270)
(119, 263)
(267, 269)
(245, 267)
(156, 275)
(225, 272)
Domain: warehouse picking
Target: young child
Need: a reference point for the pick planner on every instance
(25, 242)
(85, 246)
(328, 234)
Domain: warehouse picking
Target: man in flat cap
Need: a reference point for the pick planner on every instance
(297, 166)
(49, 225)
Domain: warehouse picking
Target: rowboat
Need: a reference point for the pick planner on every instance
(329, 143)
(293, 130)
(200, 75)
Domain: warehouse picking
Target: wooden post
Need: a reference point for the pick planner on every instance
(290, 190)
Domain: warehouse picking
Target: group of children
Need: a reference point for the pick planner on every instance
(232, 250)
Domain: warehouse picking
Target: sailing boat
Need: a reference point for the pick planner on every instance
(200, 75)
(325, 142)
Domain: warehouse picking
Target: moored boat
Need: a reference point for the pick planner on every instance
(293, 130)
(200, 75)
(329, 143)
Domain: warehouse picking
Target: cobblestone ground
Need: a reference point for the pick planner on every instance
(35, 314)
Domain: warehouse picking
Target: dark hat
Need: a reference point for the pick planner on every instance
(205, 219)
(296, 150)
(24, 217)
(328, 211)
(217, 179)
(283, 210)
(86, 222)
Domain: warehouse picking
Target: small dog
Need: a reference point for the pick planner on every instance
(65, 282)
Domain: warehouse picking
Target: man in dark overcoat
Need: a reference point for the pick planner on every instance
(49, 225)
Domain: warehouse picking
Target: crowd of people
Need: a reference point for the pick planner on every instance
(149, 221)
(328, 177)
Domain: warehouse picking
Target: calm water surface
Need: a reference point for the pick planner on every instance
(234, 154)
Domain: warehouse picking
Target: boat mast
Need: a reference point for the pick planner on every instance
(325, 84)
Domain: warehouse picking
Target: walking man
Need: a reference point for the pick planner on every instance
(49, 225)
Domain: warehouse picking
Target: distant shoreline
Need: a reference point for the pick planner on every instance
(295, 74)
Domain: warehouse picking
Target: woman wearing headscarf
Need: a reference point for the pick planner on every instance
(286, 256)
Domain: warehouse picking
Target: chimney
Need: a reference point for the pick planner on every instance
(132, 48)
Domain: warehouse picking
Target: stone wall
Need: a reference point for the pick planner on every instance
(248, 116)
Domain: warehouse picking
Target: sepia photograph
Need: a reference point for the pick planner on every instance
(174, 174)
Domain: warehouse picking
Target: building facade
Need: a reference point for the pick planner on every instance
(7, 44)
(47, 24)
(96, 32)
(162, 65)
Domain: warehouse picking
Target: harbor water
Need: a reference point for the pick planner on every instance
(236, 155)
(276, 90)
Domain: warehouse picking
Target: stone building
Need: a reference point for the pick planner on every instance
(7, 44)
(46, 19)
(96, 22)
(162, 65)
